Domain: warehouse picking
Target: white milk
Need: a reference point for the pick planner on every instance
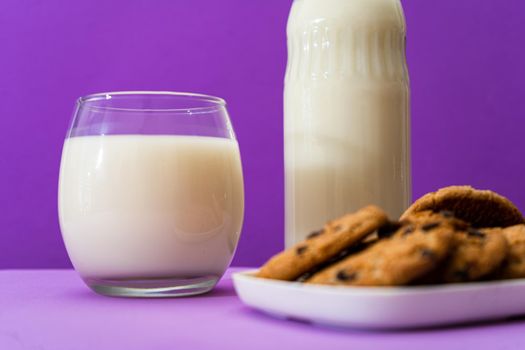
(150, 206)
(346, 110)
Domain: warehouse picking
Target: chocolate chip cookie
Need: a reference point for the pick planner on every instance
(428, 215)
(324, 245)
(474, 254)
(477, 207)
(514, 264)
(414, 250)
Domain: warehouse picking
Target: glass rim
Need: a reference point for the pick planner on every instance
(215, 102)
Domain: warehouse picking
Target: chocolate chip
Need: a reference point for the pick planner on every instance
(301, 250)
(315, 234)
(388, 230)
(345, 276)
(447, 213)
(475, 233)
(429, 254)
(430, 226)
(408, 230)
(338, 228)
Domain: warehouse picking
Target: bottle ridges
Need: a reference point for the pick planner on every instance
(323, 51)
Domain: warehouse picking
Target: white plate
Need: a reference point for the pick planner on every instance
(383, 307)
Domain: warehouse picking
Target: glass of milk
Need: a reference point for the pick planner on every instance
(151, 197)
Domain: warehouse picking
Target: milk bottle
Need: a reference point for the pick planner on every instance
(346, 111)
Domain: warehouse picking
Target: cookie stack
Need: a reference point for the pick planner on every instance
(457, 234)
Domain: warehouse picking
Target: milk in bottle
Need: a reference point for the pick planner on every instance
(346, 111)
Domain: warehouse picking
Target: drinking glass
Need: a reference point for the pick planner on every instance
(151, 197)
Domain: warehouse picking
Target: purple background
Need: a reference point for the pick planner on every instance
(466, 60)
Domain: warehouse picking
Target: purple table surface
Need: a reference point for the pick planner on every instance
(52, 309)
